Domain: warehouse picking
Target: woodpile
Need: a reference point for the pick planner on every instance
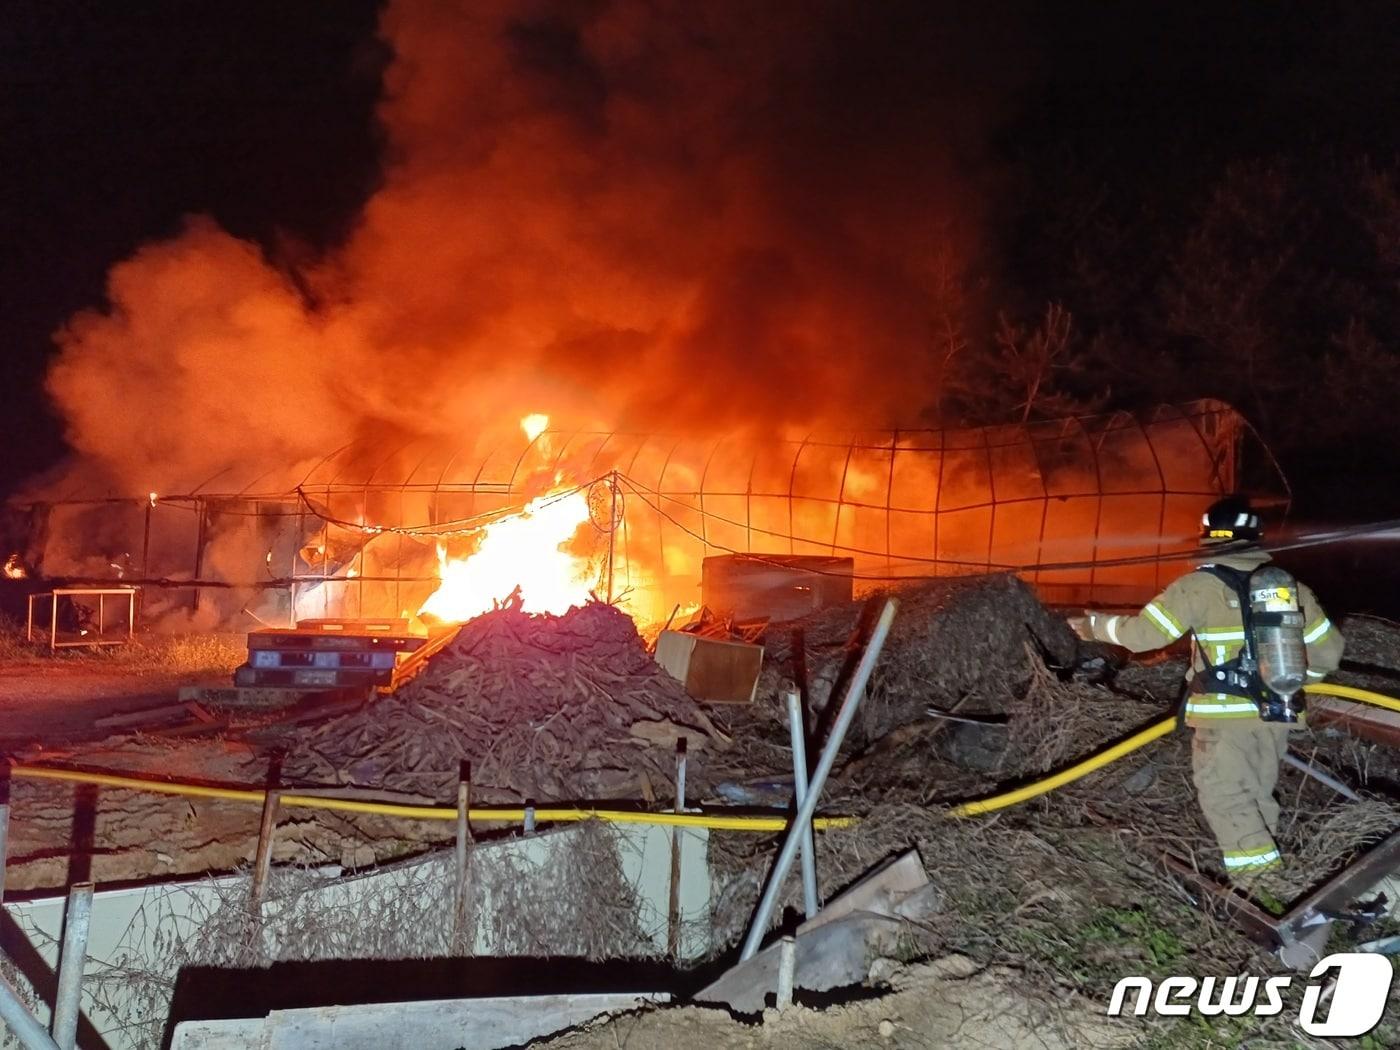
(544, 707)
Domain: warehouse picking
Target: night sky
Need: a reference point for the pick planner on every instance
(118, 119)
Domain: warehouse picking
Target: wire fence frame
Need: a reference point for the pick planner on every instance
(682, 479)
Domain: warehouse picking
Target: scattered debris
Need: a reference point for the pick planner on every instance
(713, 669)
(775, 586)
(878, 916)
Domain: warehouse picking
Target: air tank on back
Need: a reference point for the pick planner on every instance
(1278, 630)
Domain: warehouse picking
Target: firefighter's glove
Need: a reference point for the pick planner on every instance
(1080, 625)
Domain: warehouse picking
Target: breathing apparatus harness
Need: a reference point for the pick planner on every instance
(1271, 665)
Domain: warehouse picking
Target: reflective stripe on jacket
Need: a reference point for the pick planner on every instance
(1203, 605)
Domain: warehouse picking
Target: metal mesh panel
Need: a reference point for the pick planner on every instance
(901, 503)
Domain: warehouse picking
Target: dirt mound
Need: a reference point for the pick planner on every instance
(544, 707)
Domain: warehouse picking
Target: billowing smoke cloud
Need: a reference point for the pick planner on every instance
(630, 214)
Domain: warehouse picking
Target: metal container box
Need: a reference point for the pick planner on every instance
(774, 586)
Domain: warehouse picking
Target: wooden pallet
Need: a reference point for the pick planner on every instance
(272, 638)
(311, 677)
(331, 658)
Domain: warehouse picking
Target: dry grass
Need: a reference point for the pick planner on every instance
(185, 655)
(569, 897)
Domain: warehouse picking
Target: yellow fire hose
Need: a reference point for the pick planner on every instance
(1133, 743)
(712, 821)
(255, 796)
(1067, 776)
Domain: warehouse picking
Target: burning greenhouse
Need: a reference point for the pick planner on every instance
(438, 532)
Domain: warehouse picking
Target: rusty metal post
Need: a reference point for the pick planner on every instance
(262, 860)
(67, 1005)
(201, 534)
(4, 824)
(673, 911)
(464, 843)
(146, 544)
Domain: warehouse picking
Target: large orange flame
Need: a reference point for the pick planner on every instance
(525, 550)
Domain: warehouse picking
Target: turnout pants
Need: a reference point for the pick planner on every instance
(1235, 767)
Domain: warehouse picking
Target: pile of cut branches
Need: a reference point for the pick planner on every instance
(544, 707)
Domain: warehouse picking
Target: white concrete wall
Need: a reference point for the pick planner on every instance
(141, 936)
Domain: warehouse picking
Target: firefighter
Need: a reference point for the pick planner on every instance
(1240, 726)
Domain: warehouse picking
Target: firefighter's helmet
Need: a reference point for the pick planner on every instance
(1230, 518)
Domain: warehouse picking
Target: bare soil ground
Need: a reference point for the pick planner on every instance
(52, 699)
(950, 1002)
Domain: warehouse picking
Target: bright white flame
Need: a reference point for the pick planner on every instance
(14, 568)
(153, 498)
(534, 425)
(524, 550)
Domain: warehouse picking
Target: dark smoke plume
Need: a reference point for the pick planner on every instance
(624, 214)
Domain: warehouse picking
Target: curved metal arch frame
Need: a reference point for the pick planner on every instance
(1094, 437)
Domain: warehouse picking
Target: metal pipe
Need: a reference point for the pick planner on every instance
(673, 910)
(68, 1006)
(20, 1021)
(681, 774)
(1308, 769)
(4, 827)
(612, 532)
(262, 860)
(787, 971)
(783, 865)
(799, 781)
(146, 541)
(201, 534)
(464, 840)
